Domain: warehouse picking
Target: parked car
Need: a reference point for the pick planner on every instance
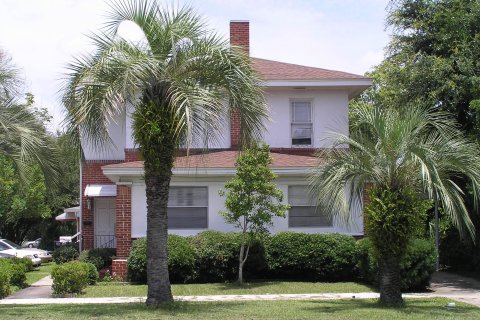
(14, 249)
(36, 261)
(31, 244)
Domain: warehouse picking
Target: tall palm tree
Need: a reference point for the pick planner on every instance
(182, 80)
(399, 157)
(23, 138)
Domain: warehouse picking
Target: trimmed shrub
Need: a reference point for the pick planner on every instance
(137, 261)
(65, 254)
(5, 276)
(18, 275)
(17, 270)
(417, 265)
(26, 262)
(100, 257)
(181, 260)
(325, 257)
(73, 277)
(216, 257)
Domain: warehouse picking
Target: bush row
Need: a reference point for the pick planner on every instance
(211, 256)
(100, 257)
(72, 277)
(13, 272)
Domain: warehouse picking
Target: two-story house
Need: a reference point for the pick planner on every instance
(305, 103)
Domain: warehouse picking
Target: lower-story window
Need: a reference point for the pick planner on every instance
(188, 208)
(303, 212)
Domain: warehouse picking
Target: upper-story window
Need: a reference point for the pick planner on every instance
(302, 133)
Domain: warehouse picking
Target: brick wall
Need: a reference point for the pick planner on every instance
(132, 155)
(240, 34)
(119, 268)
(123, 215)
(240, 37)
(91, 174)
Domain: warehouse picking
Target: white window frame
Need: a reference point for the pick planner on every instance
(292, 101)
(206, 208)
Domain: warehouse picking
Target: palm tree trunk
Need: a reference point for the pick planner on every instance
(157, 179)
(390, 285)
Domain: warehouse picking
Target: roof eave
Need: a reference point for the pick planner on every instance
(115, 174)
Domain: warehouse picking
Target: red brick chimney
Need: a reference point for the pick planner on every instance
(239, 37)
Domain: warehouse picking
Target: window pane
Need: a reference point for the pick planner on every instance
(301, 111)
(188, 196)
(301, 134)
(298, 196)
(187, 218)
(308, 217)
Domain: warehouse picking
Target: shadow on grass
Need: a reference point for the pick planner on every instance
(422, 308)
(331, 309)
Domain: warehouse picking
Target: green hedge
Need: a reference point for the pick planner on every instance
(73, 277)
(16, 268)
(5, 276)
(416, 267)
(212, 256)
(181, 260)
(65, 254)
(100, 257)
(325, 257)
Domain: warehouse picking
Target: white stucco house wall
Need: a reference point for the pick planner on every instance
(305, 103)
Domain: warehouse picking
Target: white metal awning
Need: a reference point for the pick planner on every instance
(69, 214)
(66, 216)
(101, 190)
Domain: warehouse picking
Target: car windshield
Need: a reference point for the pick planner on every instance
(11, 244)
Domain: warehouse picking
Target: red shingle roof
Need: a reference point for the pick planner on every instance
(225, 160)
(274, 70)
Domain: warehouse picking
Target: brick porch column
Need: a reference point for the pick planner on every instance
(123, 228)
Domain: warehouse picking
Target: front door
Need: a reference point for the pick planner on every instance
(104, 222)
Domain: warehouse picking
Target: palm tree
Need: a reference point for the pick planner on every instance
(399, 157)
(182, 81)
(23, 138)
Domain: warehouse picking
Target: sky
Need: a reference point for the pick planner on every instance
(43, 36)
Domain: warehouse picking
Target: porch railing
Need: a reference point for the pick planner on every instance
(105, 241)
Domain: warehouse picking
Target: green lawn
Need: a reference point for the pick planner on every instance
(39, 273)
(127, 290)
(333, 309)
(35, 275)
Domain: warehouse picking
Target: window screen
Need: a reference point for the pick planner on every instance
(188, 208)
(303, 212)
(301, 122)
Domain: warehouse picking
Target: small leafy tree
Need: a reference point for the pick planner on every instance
(252, 199)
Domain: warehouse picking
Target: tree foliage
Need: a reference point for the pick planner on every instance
(176, 81)
(433, 59)
(398, 154)
(252, 198)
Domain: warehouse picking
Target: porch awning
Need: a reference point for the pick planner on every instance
(101, 190)
(69, 214)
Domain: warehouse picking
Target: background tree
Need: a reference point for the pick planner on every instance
(402, 156)
(252, 199)
(433, 59)
(177, 78)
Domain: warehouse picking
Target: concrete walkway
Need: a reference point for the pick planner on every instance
(443, 285)
(40, 289)
(456, 287)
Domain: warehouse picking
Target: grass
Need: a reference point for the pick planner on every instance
(127, 290)
(39, 273)
(35, 275)
(332, 309)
